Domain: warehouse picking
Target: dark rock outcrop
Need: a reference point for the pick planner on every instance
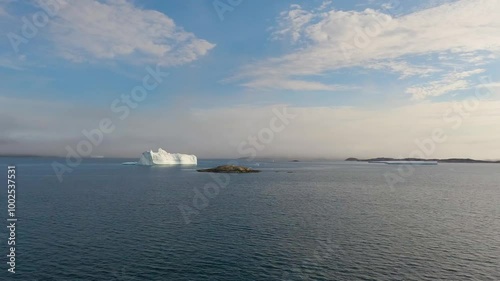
(229, 169)
(352, 159)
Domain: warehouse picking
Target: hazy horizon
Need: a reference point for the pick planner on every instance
(361, 79)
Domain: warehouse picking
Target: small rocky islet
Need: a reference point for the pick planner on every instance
(230, 169)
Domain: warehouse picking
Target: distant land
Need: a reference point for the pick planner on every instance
(22, 155)
(289, 159)
(449, 160)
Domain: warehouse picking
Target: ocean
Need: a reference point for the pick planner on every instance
(293, 221)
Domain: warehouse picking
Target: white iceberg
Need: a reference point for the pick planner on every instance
(150, 158)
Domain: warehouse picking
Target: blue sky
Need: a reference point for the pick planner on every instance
(342, 65)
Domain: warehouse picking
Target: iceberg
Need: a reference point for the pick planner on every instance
(150, 158)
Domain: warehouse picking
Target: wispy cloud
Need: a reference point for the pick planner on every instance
(294, 85)
(334, 39)
(90, 30)
(292, 23)
(403, 68)
(10, 63)
(492, 85)
(449, 83)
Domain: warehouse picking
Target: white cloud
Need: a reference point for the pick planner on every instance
(477, 59)
(294, 85)
(449, 83)
(334, 39)
(88, 30)
(292, 23)
(492, 85)
(14, 62)
(403, 68)
(325, 5)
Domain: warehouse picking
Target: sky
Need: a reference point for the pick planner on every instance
(239, 78)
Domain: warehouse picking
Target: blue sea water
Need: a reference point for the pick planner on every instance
(292, 221)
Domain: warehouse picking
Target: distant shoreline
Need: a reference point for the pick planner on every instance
(448, 160)
(351, 159)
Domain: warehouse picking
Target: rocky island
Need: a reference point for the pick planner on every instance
(229, 169)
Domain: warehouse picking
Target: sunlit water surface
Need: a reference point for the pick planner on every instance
(292, 221)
